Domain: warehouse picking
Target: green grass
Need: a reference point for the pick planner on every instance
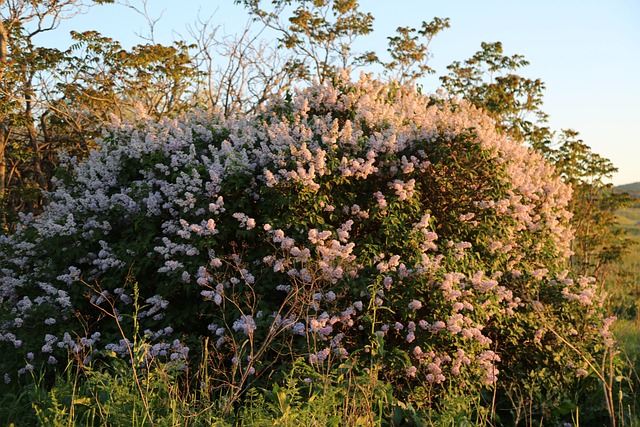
(629, 219)
(627, 334)
(624, 301)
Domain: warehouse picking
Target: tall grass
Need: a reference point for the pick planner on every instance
(110, 393)
(623, 287)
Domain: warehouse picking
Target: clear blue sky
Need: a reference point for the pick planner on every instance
(586, 51)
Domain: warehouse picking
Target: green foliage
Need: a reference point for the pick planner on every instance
(319, 32)
(105, 79)
(489, 80)
(409, 55)
(599, 243)
(110, 392)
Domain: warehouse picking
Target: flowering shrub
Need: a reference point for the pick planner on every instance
(355, 222)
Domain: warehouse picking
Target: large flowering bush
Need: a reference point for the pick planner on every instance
(356, 222)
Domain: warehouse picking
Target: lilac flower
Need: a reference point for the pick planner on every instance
(415, 305)
(411, 371)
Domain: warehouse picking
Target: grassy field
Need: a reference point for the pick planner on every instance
(625, 297)
(627, 279)
(629, 219)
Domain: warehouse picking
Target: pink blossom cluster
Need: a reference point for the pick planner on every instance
(325, 221)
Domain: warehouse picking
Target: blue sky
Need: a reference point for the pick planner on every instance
(586, 51)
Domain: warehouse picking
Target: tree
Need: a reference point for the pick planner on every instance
(319, 32)
(240, 72)
(409, 55)
(56, 99)
(488, 80)
(100, 79)
(598, 243)
(23, 73)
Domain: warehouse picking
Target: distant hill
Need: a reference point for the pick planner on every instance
(632, 189)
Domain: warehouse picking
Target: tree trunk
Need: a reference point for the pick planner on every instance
(4, 40)
(3, 174)
(4, 134)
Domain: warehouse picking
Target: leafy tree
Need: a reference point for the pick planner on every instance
(410, 54)
(101, 79)
(598, 243)
(489, 81)
(319, 32)
(62, 99)
(25, 158)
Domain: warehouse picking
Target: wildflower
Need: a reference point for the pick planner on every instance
(387, 282)
(246, 324)
(299, 328)
(438, 325)
(415, 305)
(410, 337)
(411, 371)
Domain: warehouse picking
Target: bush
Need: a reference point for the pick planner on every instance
(357, 223)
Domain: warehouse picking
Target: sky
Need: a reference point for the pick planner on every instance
(586, 51)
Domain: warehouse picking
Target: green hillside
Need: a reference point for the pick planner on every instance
(629, 218)
(632, 189)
